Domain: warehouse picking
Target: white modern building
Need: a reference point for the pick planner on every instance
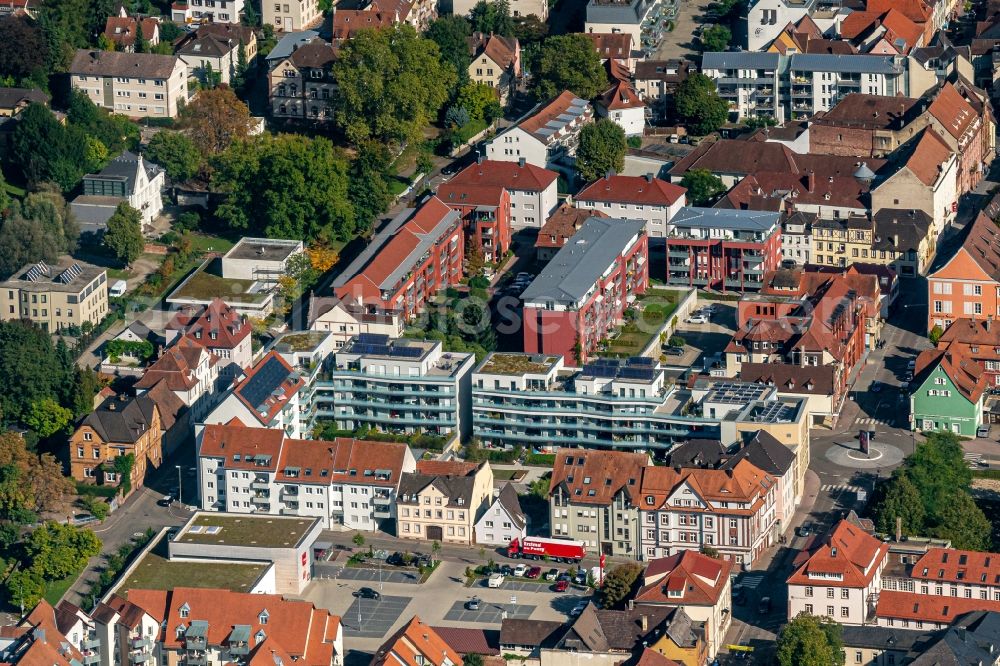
(347, 484)
(260, 259)
(212, 11)
(749, 82)
(819, 80)
(127, 178)
(547, 134)
(767, 18)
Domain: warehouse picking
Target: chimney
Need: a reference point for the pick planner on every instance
(479, 158)
(895, 241)
(989, 320)
(520, 162)
(112, 405)
(649, 178)
(811, 180)
(899, 529)
(645, 623)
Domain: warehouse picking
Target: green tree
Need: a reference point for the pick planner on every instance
(492, 18)
(935, 334)
(4, 199)
(529, 30)
(479, 100)
(47, 417)
(141, 43)
(602, 149)
(57, 550)
(124, 233)
(702, 186)
(391, 84)
(568, 62)
(368, 188)
(24, 52)
(451, 34)
(358, 539)
(242, 67)
(963, 523)
(215, 120)
(716, 38)
(116, 132)
(38, 228)
(699, 105)
(30, 370)
(901, 500)
(806, 641)
(176, 153)
(285, 186)
(25, 588)
(618, 583)
(938, 468)
(46, 151)
(435, 551)
(96, 156)
(540, 487)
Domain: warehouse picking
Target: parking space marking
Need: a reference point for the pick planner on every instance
(372, 575)
(840, 487)
(376, 616)
(526, 586)
(488, 613)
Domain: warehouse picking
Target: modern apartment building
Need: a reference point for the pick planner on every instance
(289, 15)
(582, 294)
(532, 190)
(349, 484)
(402, 385)
(67, 294)
(967, 284)
(138, 85)
(443, 500)
(594, 497)
(750, 82)
(819, 80)
(416, 255)
(620, 16)
(213, 11)
(546, 134)
(646, 198)
(486, 213)
(723, 249)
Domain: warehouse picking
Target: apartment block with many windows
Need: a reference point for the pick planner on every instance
(67, 294)
(137, 85)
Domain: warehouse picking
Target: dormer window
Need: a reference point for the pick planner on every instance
(184, 610)
(181, 628)
(259, 637)
(262, 618)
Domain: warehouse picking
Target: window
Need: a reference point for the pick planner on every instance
(809, 609)
(844, 611)
(845, 594)
(829, 593)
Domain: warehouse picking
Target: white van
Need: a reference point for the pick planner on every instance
(495, 580)
(117, 289)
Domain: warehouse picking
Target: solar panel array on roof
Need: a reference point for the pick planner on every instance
(70, 274)
(373, 338)
(370, 349)
(635, 372)
(406, 352)
(36, 272)
(642, 361)
(261, 385)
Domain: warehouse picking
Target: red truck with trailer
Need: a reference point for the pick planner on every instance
(557, 550)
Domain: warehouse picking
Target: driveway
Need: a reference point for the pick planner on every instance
(680, 42)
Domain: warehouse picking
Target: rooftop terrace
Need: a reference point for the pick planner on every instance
(517, 364)
(242, 530)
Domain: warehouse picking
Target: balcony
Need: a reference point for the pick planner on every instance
(91, 657)
(257, 484)
(196, 659)
(91, 643)
(140, 658)
(140, 643)
(289, 491)
(239, 649)
(261, 500)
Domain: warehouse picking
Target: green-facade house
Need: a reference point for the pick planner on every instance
(947, 393)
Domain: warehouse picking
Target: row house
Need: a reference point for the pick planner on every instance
(396, 385)
(962, 117)
(418, 254)
(805, 36)
(725, 249)
(50, 635)
(977, 340)
(838, 576)
(120, 426)
(190, 371)
(656, 81)
(531, 190)
(966, 285)
(699, 585)
(653, 200)
(301, 85)
(208, 11)
(504, 520)
(582, 294)
(922, 174)
(733, 510)
(221, 330)
(559, 228)
(881, 33)
(496, 62)
(796, 238)
(269, 395)
(547, 134)
(594, 498)
(443, 501)
(137, 85)
(348, 484)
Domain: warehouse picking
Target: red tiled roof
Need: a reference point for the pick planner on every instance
(347, 22)
(621, 95)
(447, 467)
(413, 640)
(509, 175)
(871, 111)
(122, 30)
(916, 10)
(928, 157)
(562, 224)
(200, 322)
(765, 190)
(651, 657)
(952, 110)
(743, 482)
(928, 608)
(898, 26)
(958, 566)
(847, 552)
(43, 616)
(701, 579)
(611, 44)
(504, 51)
(593, 476)
(467, 640)
(982, 245)
(547, 113)
(737, 156)
(971, 331)
(177, 366)
(633, 190)
(967, 375)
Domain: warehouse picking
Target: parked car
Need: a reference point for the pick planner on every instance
(561, 585)
(697, 319)
(533, 572)
(166, 500)
(495, 580)
(551, 574)
(911, 364)
(579, 608)
(472, 604)
(580, 578)
(983, 431)
(672, 351)
(367, 593)
(506, 570)
(520, 570)
(525, 276)
(804, 530)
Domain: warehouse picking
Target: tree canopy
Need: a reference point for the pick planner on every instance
(716, 38)
(492, 18)
(30, 483)
(52, 552)
(618, 582)
(702, 186)
(699, 105)
(38, 228)
(568, 62)
(451, 33)
(124, 233)
(602, 149)
(368, 190)
(285, 186)
(215, 119)
(810, 641)
(24, 53)
(391, 84)
(176, 153)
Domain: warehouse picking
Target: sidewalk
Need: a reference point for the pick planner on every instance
(810, 492)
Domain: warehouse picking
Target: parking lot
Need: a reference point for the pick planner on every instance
(372, 618)
(374, 576)
(488, 613)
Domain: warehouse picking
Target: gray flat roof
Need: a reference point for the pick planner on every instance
(264, 249)
(289, 42)
(578, 264)
(740, 60)
(617, 11)
(847, 64)
(725, 218)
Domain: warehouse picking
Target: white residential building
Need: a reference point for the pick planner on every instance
(549, 133)
(796, 238)
(653, 200)
(212, 11)
(289, 15)
(260, 259)
(347, 483)
(539, 8)
(819, 80)
(767, 18)
(138, 85)
(127, 178)
(504, 521)
(749, 82)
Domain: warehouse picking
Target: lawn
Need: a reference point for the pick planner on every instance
(508, 474)
(202, 286)
(156, 573)
(55, 590)
(398, 185)
(657, 308)
(204, 243)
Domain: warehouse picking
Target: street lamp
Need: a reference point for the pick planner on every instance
(180, 486)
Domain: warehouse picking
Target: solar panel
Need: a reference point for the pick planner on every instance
(70, 274)
(259, 388)
(373, 338)
(641, 361)
(407, 352)
(371, 349)
(636, 373)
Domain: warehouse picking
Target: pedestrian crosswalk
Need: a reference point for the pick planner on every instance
(973, 459)
(873, 421)
(842, 487)
(752, 580)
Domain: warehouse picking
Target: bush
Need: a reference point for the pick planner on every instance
(541, 459)
(676, 341)
(479, 282)
(634, 142)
